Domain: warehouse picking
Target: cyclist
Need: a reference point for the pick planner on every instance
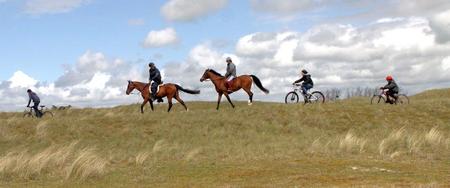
(33, 97)
(307, 82)
(392, 89)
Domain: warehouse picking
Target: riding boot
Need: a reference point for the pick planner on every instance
(153, 96)
(160, 100)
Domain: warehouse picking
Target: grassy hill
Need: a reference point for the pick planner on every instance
(339, 144)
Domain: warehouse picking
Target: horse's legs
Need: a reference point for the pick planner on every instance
(169, 100)
(151, 104)
(177, 97)
(229, 100)
(218, 100)
(250, 95)
(143, 104)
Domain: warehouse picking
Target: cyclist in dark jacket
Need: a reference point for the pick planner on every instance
(33, 97)
(392, 89)
(307, 81)
(155, 76)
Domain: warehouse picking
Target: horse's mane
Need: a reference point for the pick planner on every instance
(137, 82)
(215, 72)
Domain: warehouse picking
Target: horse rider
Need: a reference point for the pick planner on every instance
(155, 80)
(230, 75)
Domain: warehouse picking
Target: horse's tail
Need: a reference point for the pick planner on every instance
(259, 84)
(187, 90)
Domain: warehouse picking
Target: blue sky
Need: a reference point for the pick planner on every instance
(40, 44)
(81, 52)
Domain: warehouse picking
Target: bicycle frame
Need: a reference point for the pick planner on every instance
(298, 89)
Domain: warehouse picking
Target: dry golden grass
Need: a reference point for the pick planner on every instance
(58, 161)
(141, 157)
(348, 143)
(87, 164)
(352, 144)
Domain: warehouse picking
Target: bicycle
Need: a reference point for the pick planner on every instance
(381, 98)
(30, 112)
(314, 97)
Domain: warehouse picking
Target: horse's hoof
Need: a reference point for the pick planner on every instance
(250, 104)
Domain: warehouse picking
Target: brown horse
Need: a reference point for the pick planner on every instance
(166, 90)
(241, 82)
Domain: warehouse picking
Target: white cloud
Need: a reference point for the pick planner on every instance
(446, 64)
(161, 38)
(20, 79)
(37, 7)
(441, 26)
(337, 56)
(189, 10)
(94, 80)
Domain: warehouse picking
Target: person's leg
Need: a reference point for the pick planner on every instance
(308, 87)
(36, 109)
(228, 84)
(154, 89)
(304, 90)
(389, 97)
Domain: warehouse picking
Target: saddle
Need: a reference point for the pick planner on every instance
(157, 88)
(228, 84)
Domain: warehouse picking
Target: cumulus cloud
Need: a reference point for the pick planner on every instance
(189, 10)
(20, 79)
(440, 24)
(37, 7)
(94, 80)
(161, 38)
(338, 56)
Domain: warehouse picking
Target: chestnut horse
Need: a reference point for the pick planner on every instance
(240, 82)
(166, 90)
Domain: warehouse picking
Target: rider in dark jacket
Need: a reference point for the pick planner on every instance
(307, 81)
(392, 89)
(155, 76)
(33, 97)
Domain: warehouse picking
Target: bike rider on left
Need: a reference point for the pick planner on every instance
(33, 97)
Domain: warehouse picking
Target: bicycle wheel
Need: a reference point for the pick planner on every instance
(291, 97)
(47, 113)
(377, 99)
(402, 99)
(317, 97)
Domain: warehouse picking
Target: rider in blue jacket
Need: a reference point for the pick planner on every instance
(32, 96)
(307, 81)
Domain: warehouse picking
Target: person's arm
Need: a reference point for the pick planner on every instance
(29, 100)
(389, 86)
(300, 80)
(228, 74)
